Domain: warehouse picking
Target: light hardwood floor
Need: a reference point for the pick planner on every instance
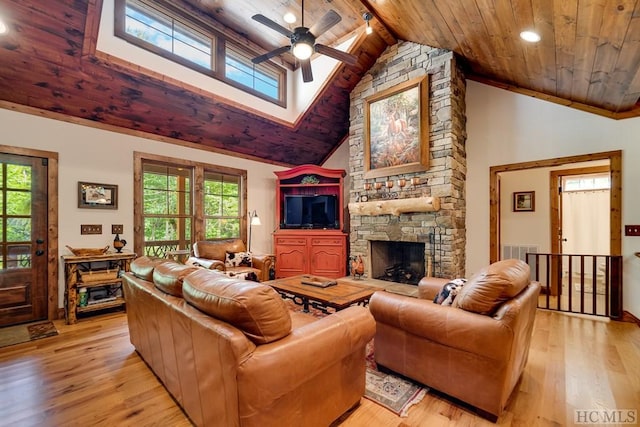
(90, 375)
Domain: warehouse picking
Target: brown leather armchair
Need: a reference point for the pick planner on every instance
(211, 254)
(474, 350)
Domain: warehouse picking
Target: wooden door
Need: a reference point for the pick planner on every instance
(23, 239)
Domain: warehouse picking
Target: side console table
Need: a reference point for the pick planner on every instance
(100, 275)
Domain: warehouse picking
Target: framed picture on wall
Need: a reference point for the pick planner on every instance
(524, 201)
(396, 133)
(97, 196)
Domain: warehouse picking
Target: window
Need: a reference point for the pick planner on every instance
(166, 208)
(221, 206)
(15, 216)
(174, 212)
(157, 30)
(189, 42)
(587, 182)
(240, 69)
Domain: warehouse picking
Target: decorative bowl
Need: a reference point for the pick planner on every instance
(88, 251)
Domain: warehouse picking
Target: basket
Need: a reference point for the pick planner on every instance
(99, 275)
(88, 251)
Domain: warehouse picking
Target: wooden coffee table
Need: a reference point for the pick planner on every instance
(338, 297)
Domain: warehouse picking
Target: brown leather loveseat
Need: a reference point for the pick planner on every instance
(474, 350)
(231, 354)
(212, 254)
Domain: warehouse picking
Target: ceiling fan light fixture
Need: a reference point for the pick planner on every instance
(530, 36)
(302, 50)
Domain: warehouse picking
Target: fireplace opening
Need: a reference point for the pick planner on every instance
(401, 262)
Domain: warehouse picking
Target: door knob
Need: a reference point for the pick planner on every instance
(39, 241)
(39, 252)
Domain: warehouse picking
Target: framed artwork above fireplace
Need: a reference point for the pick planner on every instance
(396, 133)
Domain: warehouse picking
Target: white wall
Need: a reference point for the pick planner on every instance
(524, 228)
(505, 127)
(93, 155)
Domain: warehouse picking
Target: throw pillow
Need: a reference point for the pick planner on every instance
(449, 291)
(238, 259)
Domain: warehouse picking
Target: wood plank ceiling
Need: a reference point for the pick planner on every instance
(588, 58)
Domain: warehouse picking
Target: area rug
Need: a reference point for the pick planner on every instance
(11, 335)
(390, 391)
(394, 393)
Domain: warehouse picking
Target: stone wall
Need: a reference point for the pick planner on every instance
(445, 176)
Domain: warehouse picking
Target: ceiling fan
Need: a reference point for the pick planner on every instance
(303, 42)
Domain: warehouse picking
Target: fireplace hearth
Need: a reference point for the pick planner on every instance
(400, 262)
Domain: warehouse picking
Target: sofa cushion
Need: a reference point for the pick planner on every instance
(217, 249)
(237, 259)
(492, 286)
(254, 308)
(169, 276)
(143, 267)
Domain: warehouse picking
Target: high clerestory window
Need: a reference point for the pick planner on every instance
(165, 31)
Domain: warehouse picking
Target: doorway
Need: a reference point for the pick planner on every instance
(615, 220)
(28, 236)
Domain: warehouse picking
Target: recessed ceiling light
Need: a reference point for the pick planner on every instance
(3, 27)
(289, 18)
(530, 36)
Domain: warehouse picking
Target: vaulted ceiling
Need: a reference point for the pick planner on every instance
(588, 58)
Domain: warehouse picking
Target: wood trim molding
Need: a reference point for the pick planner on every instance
(628, 317)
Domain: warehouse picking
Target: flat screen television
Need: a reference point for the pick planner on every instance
(305, 211)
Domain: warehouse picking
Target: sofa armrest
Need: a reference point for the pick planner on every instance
(264, 263)
(211, 264)
(217, 265)
(448, 326)
(429, 287)
(283, 365)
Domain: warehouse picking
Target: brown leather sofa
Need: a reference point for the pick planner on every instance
(231, 354)
(211, 254)
(474, 350)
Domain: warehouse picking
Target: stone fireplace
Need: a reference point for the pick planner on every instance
(432, 237)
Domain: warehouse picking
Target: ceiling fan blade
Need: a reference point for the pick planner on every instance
(271, 24)
(329, 19)
(269, 55)
(336, 54)
(307, 75)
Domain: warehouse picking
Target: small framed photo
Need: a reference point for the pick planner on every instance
(524, 201)
(97, 196)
